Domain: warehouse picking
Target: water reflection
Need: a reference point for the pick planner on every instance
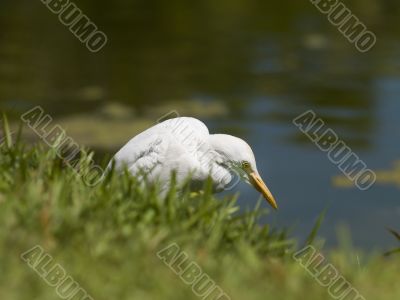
(385, 177)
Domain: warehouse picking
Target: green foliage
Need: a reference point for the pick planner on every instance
(397, 236)
(106, 237)
(313, 234)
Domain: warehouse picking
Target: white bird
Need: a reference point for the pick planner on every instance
(185, 147)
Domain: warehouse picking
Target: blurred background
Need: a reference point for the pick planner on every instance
(243, 67)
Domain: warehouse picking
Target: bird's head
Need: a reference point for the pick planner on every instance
(238, 155)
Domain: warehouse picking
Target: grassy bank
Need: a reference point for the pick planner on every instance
(107, 238)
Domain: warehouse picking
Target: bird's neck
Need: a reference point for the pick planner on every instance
(222, 165)
(219, 143)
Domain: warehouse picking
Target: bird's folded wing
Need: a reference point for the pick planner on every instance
(143, 152)
(176, 144)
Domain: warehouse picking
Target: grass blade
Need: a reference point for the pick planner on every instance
(314, 231)
(7, 132)
(391, 252)
(394, 233)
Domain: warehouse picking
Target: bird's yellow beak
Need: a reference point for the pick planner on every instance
(260, 186)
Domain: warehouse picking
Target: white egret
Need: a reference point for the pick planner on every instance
(185, 147)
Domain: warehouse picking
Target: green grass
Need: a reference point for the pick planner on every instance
(397, 236)
(107, 237)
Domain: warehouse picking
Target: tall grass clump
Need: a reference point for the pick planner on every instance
(107, 236)
(44, 202)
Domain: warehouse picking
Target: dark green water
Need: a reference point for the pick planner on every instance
(250, 67)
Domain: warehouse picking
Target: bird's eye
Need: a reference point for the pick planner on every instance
(245, 165)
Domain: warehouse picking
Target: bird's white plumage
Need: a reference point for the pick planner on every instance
(181, 145)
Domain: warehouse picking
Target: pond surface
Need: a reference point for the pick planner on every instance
(244, 67)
